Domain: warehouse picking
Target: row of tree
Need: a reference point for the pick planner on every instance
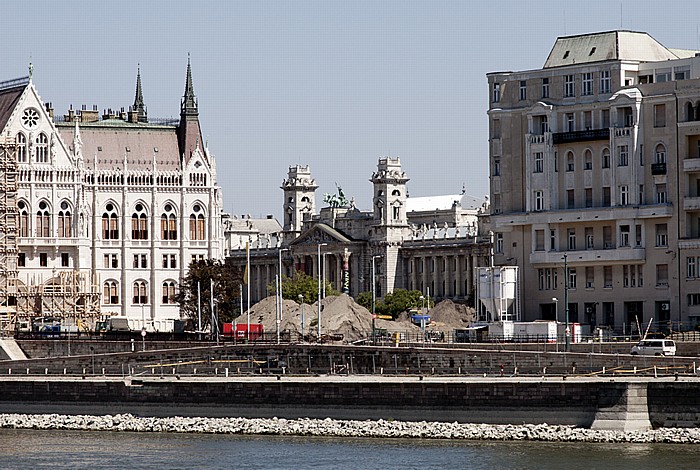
(212, 279)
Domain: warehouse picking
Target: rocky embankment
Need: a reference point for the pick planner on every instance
(336, 428)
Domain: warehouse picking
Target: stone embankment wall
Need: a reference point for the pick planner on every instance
(330, 359)
(507, 401)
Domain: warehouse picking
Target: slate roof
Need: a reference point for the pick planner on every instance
(609, 45)
(433, 203)
(108, 141)
(8, 102)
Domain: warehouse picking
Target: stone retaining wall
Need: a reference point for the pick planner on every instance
(670, 404)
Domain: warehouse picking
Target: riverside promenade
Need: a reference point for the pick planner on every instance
(615, 403)
(588, 390)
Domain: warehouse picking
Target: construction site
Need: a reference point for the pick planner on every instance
(70, 296)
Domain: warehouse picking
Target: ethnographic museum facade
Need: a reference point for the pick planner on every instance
(110, 209)
(595, 160)
(431, 244)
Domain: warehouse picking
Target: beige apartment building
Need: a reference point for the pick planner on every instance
(595, 163)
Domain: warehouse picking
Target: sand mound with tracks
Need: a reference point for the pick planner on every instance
(342, 315)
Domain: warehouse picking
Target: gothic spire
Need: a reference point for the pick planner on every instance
(189, 101)
(139, 108)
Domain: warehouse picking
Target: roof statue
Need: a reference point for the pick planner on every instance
(336, 200)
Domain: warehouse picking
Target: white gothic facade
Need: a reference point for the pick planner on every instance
(110, 209)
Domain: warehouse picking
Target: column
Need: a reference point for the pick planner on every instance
(459, 291)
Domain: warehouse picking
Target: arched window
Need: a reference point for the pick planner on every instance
(169, 292)
(111, 293)
(43, 220)
(140, 292)
(168, 223)
(569, 161)
(197, 226)
(660, 154)
(396, 192)
(64, 220)
(23, 219)
(396, 211)
(605, 158)
(139, 223)
(587, 160)
(21, 141)
(42, 148)
(689, 112)
(110, 226)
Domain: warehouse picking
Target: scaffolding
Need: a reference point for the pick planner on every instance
(8, 229)
(67, 294)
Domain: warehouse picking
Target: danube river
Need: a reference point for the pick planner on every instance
(105, 450)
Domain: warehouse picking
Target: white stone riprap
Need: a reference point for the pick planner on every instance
(344, 428)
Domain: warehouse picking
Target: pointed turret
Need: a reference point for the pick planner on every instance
(189, 101)
(139, 108)
(189, 132)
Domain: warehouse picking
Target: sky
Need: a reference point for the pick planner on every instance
(330, 84)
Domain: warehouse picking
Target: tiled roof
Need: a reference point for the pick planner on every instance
(8, 102)
(110, 140)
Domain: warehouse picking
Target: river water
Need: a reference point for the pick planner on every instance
(27, 449)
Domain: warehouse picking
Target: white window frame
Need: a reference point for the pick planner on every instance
(586, 83)
(605, 81)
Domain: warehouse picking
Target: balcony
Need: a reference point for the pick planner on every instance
(622, 255)
(537, 138)
(658, 168)
(691, 203)
(594, 214)
(580, 136)
(691, 164)
(623, 131)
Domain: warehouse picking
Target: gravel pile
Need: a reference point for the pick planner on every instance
(451, 315)
(340, 314)
(336, 428)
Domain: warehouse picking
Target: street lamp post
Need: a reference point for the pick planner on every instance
(556, 318)
(319, 288)
(566, 302)
(301, 297)
(374, 300)
(422, 315)
(323, 273)
(279, 293)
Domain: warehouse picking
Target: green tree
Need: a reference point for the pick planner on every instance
(365, 299)
(402, 300)
(226, 281)
(302, 284)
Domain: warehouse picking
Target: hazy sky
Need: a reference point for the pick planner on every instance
(332, 84)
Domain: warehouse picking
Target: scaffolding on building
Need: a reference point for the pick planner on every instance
(68, 294)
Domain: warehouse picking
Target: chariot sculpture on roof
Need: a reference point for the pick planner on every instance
(336, 200)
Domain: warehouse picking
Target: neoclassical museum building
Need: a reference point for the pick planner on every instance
(431, 244)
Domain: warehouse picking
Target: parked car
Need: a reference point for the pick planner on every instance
(654, 347)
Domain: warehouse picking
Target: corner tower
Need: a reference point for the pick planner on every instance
(390, 224)
(299, 199)
(389, 193)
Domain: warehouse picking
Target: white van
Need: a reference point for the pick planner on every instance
(654, 347)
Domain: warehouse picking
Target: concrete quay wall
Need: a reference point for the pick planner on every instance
(504, 401)
(305, 359)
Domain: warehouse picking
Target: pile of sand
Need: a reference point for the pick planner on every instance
(339, 315)
(450, 315)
